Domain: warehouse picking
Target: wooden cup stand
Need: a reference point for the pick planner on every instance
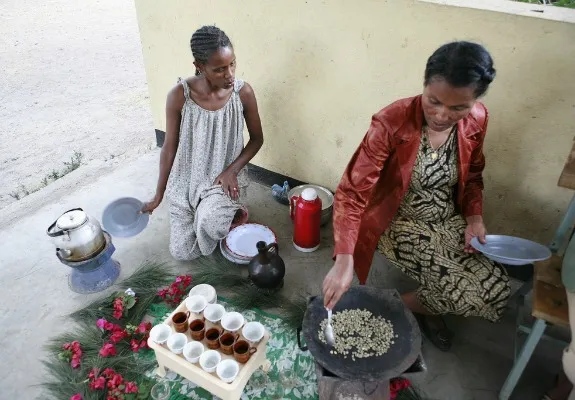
(194, 373)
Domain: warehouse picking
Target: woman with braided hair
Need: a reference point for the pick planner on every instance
(203, 161)
(413, 192)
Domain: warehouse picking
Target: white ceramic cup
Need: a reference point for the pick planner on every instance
(232, 321)
(253, 332)
(228, 370)
(176, 342)
(214, 312)
(205, 290)
(209, 360)
(160, 333)
(193, 351)
(196, 304)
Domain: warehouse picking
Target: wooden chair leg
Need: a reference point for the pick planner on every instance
(524, 356)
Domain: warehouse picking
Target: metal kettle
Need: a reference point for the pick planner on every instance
(77, 236)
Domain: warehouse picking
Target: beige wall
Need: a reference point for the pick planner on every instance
(320, 69)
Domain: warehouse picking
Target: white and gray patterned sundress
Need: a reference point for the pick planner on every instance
(200, 213)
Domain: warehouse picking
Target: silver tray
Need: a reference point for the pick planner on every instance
(511, 250)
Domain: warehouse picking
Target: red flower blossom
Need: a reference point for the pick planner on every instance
(108, 326)
(108, 349)
(115, 381)
(396, 386)
(108, 373)
(144, 327)
(77, 396)
(98, 383)
(94, 373)
(134, 345)
(131, 387)
(117, 314)
(118, 335)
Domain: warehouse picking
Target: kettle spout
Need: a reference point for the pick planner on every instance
(64, 253)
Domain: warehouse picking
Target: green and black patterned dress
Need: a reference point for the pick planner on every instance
(426, 241)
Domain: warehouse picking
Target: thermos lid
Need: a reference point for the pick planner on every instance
(309, 194)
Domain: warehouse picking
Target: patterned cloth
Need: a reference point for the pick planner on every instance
(426, 241)
(282, 351)
(200, 213)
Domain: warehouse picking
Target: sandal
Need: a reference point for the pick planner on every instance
(440, 337)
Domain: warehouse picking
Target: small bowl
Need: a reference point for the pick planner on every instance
(214, 312)
(209, 360)
(193, 351)
(227, 370)
(160, 333)
(177, 342)
(253, 332)
(196, 303)
(232, 321)
(205, 290)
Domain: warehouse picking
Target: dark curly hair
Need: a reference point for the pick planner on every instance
(461, 64)
(206, 41)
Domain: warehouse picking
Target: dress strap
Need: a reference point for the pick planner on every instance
(186, 88)
(238, 85)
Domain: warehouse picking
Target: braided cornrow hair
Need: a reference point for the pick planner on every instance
(207, 40)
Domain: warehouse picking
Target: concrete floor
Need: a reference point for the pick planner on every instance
(36, 298)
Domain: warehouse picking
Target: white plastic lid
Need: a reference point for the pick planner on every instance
(71, 219)
(309, 194)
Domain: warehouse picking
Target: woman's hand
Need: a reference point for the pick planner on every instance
(475, 228)
(337, 280)
(150, 206)
(229, 182)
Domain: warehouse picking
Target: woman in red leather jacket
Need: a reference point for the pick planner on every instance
(413, 192)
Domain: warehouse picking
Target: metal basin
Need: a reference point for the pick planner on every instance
(324, 194)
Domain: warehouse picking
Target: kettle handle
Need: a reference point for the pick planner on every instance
(292, 206)
(54, 233)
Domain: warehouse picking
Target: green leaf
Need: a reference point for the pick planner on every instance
(130, 301)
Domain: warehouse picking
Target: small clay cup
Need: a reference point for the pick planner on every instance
(180, 321)
(213, 338)
(198, 329)
(227, 341)
(243, 351)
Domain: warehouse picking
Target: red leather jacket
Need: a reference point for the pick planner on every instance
(378, 176)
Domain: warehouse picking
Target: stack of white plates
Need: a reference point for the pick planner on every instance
(240, 245)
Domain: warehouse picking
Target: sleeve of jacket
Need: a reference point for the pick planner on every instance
(472, 202)
(357, 184)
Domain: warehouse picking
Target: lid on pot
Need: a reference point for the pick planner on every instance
(71, 219)
(309, 194)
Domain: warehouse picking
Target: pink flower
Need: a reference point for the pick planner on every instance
(117, 336)
(116, 381)
(108, 349)
(67, 346)
(117, 314)
(134, 345)
(75, 363)
(77, 396)
(108, 373)
(101, 323)
(108, 326)
(93, 373)
(98, 383)
(144, 327)
(162, 292)
(131, 387)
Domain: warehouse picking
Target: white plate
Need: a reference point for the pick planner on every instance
(241, 241)
(511, 250)
(230, 257)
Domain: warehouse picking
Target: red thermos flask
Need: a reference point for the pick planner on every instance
(306, 217)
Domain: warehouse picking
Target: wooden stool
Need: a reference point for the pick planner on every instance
(549, 307)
